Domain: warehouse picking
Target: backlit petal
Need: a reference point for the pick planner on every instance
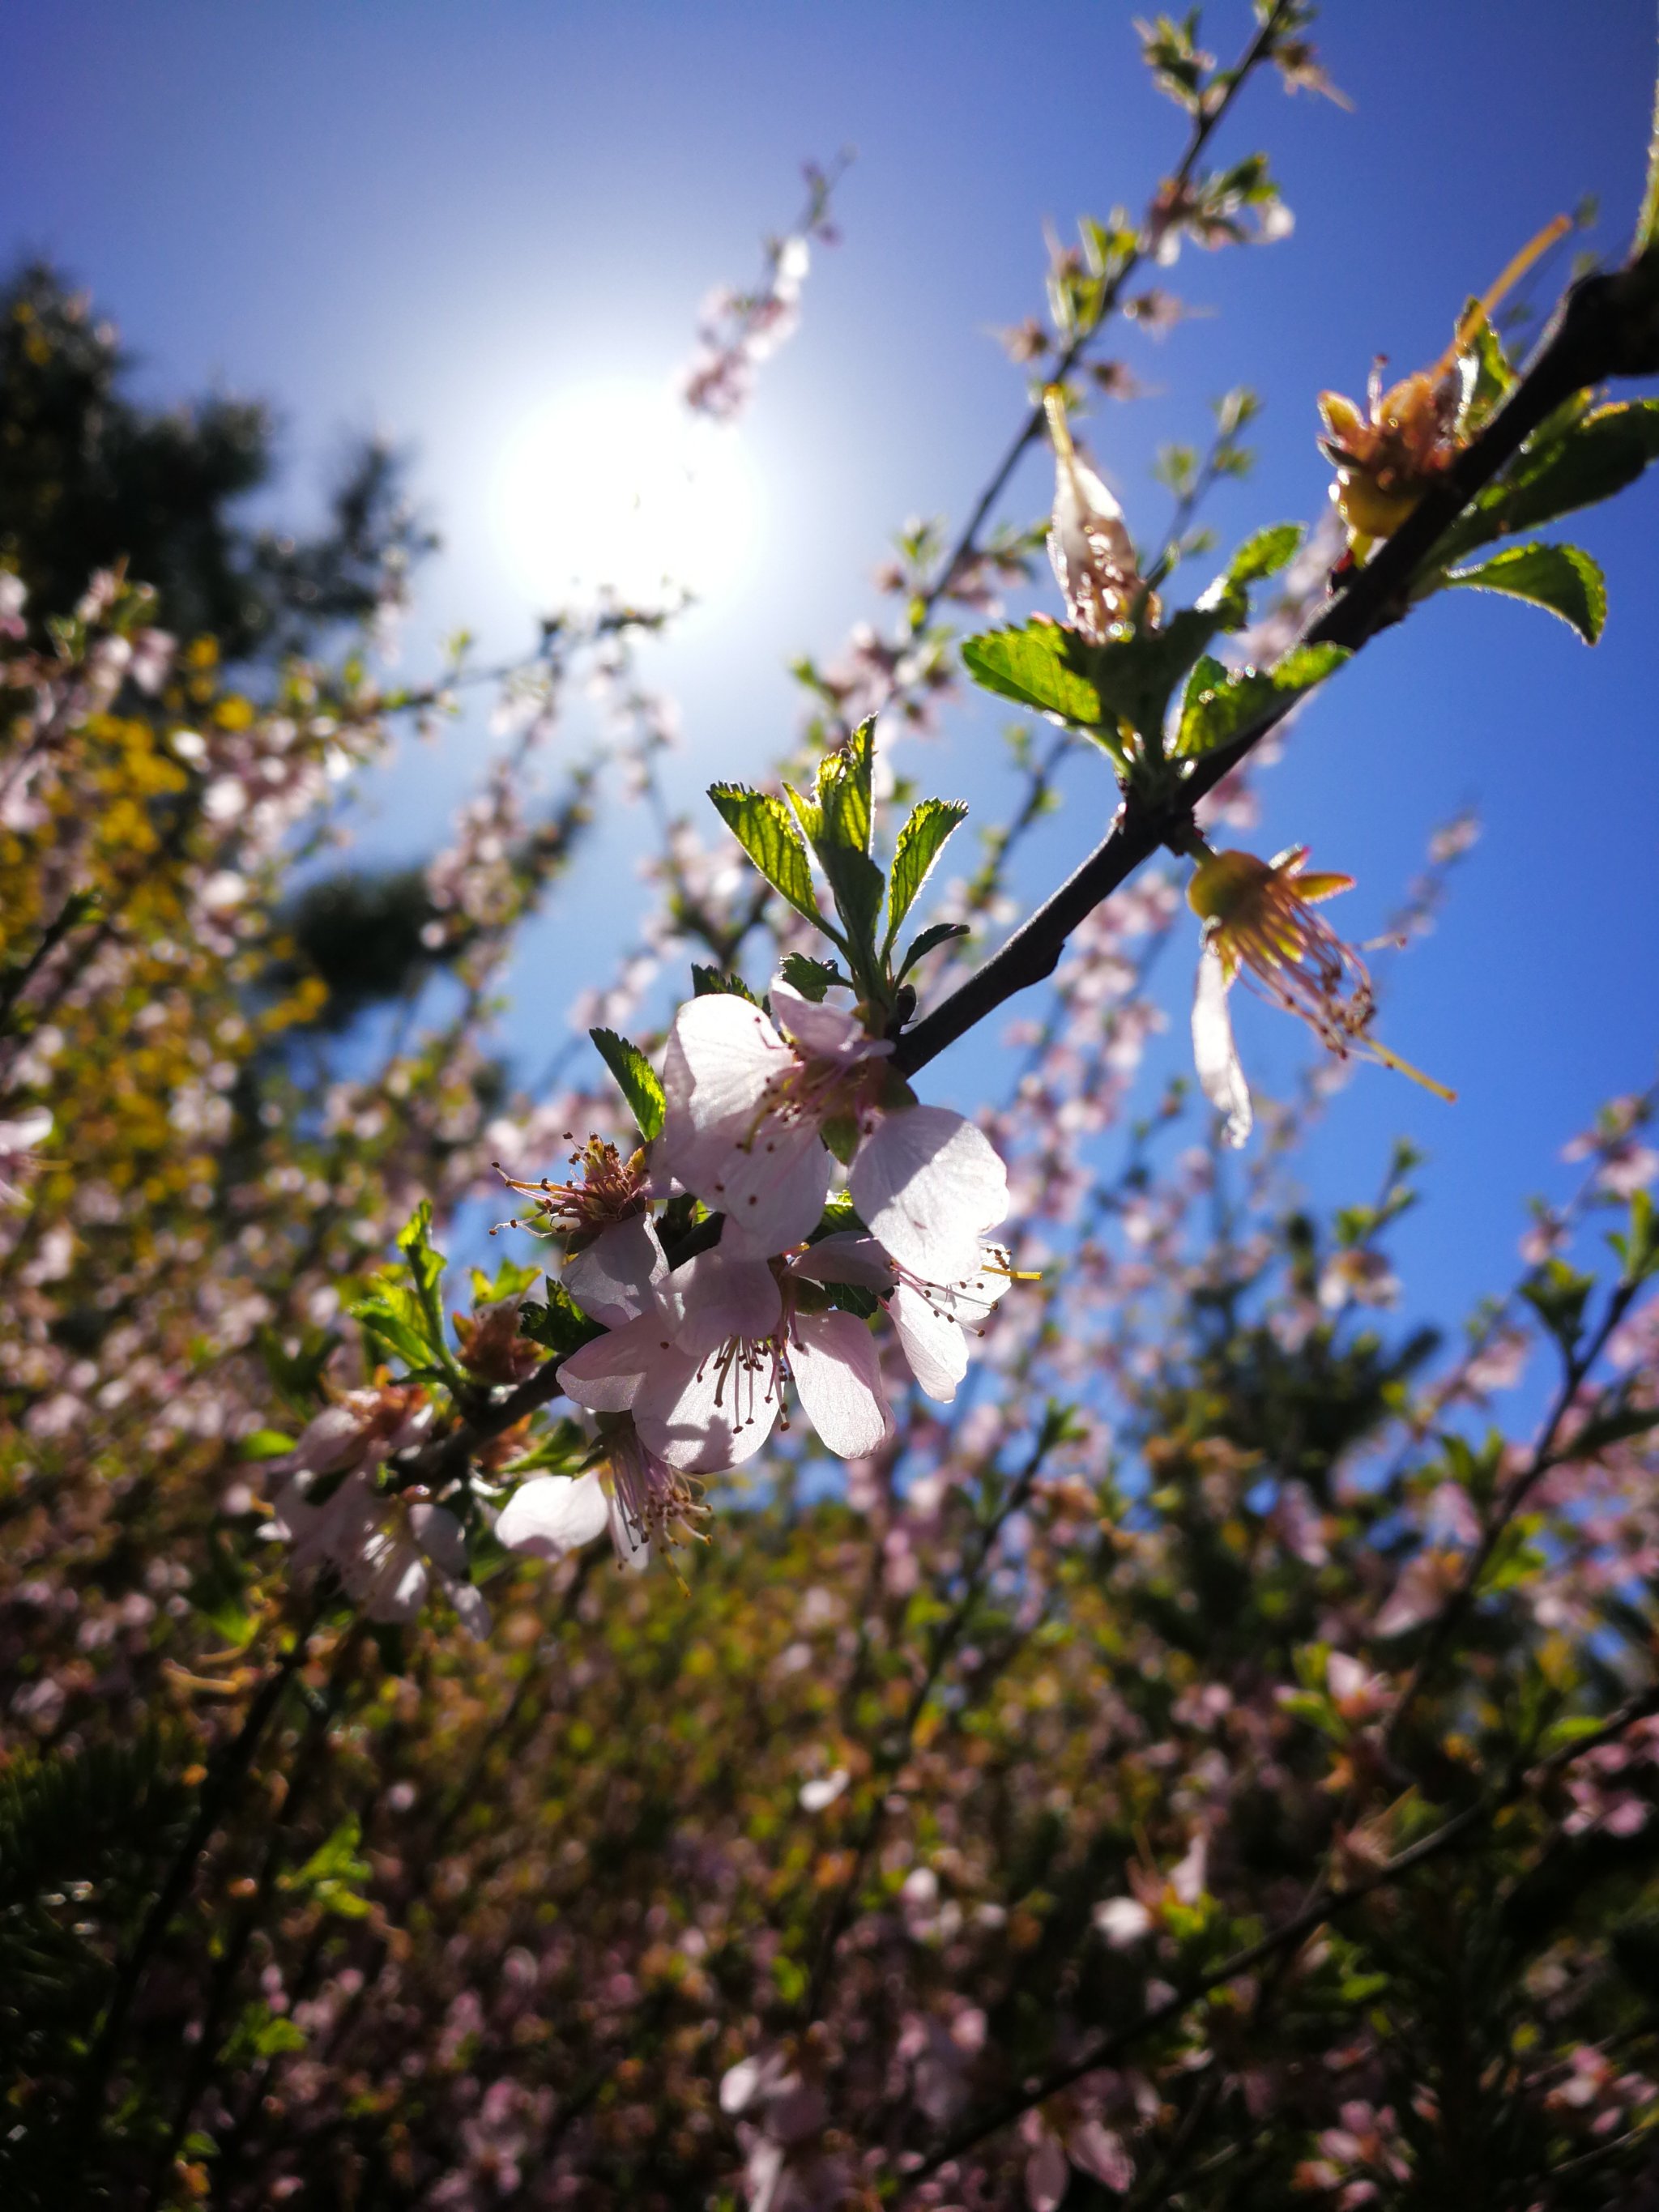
(932, 1343)
(929, 1184)
(1214, 1052)
(833, 1360)
(553, 1513)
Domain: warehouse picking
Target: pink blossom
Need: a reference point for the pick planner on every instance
(932, 1319)
(699, 1357)
(746, 1108)
(388, 1548)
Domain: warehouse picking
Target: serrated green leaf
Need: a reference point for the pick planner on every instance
(1562, 579)
(426, 1267)
(1494, 372)
(836, 826)
(843, 790)
(761, 826)
(1579, 459)
(811, 978)
(635, 1078)
(392, 1315)
(1266, 553)
(929, 940)
(1105, 689)
(1039, 665)
(707, 982)
(557, 1324)
(921, 841)
(1219, 705)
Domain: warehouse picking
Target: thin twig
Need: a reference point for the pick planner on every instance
(1327, 1905)
(1593, 335)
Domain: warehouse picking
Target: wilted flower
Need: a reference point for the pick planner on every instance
(1407, 437)
(1259, 921)
(1092, 553)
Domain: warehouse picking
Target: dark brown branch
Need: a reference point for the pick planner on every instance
(1603, 328)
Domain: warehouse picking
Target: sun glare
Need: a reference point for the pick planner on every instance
(619, 485)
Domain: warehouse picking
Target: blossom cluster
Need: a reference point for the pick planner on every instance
(690, 1373)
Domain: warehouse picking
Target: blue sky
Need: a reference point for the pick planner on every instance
(433, 217)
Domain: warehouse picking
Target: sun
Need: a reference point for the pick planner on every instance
(618, 484)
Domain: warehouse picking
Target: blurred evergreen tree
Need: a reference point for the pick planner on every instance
(88, 475)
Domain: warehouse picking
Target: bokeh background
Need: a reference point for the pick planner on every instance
(442, 223)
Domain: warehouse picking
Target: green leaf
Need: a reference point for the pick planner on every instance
(391, 1314)
(1557, 1294)
(811, 978)
(1266, 553)
(838, 821)
(1639, 1250)
(334, 1875)
(635, 1078)
(843, 791)
(1561, 578)
(1218, 705)
(1600, 454)
(1494, 372)
(940, 932)
(1615, 1425)
(265, 1443)
(919, 843)
(217, 1595)
(1041, 666)
(761, 826)
(298, 1375)
(427, 1266)
(559, 1325)
(707, 982)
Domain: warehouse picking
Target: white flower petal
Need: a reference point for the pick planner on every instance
(553, 1513)
(929, 1184)
(833, 1360)
(849, 1256)
(722, 1055)
(441, 1537)
(612, 1279)
(706, 1418)
(933, 1344)
(771, 1192)
(722, 1296)
(606, 1375)
(471, 1610)
(1214, 1054)
(822, 1031)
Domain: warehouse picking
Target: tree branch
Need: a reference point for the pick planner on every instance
(1324, 1906)
(1603, 328)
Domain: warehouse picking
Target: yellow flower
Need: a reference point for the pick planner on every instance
(1388, 454)
(1259, 922)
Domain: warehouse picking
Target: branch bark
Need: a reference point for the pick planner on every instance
(1602, 328)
